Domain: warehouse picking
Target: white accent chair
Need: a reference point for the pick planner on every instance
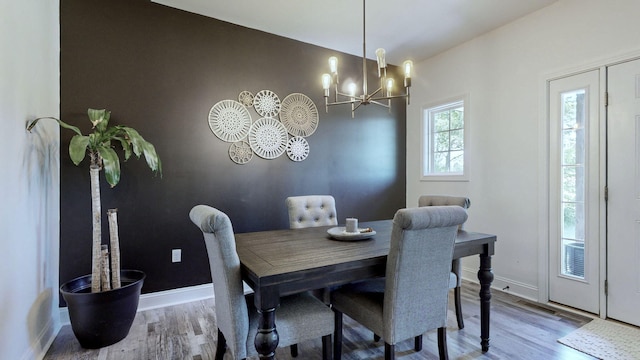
(299, 317)
(456, 265)
(414, 299)
(311, 211)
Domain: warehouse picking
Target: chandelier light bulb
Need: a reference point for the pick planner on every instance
(326, 81)
(380, 57)
(352, 89)
(333, 64)
(408, 69)
(389, 85)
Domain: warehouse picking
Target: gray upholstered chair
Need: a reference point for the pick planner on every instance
(414, 299)
(456, 265)
(299, 317)
(311, 211)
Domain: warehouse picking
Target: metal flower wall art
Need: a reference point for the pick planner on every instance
(280, 126)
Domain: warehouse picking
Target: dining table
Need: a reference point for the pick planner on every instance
(276, 263)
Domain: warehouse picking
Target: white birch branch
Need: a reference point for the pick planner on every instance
(115, 248)
(104, 273)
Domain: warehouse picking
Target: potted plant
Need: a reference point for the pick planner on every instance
(102, 305)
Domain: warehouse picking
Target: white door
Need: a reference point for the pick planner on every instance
(574, 190)
(623, 182)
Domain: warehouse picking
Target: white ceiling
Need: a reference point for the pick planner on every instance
(406, 29)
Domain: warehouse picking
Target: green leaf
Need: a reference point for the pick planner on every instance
(126, 146)
(152, 158)
(111, 165)
(78, 148)
(135, 138)
(143, 147)
(99, 118)
(60, 122)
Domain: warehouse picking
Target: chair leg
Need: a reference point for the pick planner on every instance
(389, 352)
(337, 336)
(417, 343)
(458, 304)
(442, 343)
(221, 347)
(456, 268)
(294, 350)
(326, 348)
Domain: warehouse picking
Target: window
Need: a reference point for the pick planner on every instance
(573, 186)
(444, 139)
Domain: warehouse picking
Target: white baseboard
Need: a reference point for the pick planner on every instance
(162, 298)
(39, 346)
(516, 288)
(205, 291)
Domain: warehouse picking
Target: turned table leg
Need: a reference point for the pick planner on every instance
(267, 339)
(486, 277)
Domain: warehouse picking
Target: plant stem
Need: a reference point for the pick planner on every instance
(96, 259)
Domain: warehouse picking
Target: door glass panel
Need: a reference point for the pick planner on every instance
(573, 183)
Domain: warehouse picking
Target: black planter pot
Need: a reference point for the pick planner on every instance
(104, 318)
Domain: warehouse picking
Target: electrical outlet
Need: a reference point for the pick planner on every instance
(176, 255)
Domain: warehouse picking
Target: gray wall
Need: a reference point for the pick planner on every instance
(160, 70)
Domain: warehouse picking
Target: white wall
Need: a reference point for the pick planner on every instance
(503, 72)
(29, 182)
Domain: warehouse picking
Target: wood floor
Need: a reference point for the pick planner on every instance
(519, 330)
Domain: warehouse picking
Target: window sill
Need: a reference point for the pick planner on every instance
(443, 178)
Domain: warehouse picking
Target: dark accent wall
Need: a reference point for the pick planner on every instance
(160, 70)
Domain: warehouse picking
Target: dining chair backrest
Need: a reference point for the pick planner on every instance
(418, 270)
(230, 306)
(456, 265)
(311, 211)
(445, 200)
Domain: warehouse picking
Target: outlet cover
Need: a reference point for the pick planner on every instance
(176, 255)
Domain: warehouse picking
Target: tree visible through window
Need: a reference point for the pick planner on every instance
(444, 139)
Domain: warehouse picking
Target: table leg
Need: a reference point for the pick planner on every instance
(485, 275)
(267, 339)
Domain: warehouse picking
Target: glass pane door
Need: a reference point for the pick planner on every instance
(573, 193)
(575, 207)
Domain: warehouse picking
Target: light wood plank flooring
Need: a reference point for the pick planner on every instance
(519, 330)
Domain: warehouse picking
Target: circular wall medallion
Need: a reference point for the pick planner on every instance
(268, 138)
(267, 103)
(297, 148)
(229, 120)
(299, 115)
(240, 152)
(246, 98)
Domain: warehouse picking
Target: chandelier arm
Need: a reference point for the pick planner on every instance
(379, 103)
(371, 96)
(343, 102)
(389, 97)
(343, 94)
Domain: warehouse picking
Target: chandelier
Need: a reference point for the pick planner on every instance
(378, 97)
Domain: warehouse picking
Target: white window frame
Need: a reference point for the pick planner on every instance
(425, 139)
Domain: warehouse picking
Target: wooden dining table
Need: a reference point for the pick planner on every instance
(276, 263)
